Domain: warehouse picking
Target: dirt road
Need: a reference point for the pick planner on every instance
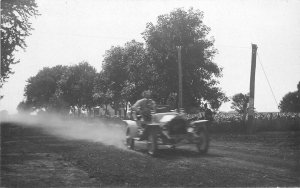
(31, 158)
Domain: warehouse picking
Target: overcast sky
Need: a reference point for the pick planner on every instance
(70, 31)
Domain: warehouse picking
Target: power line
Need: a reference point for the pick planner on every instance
(233, 46)
(267, 80)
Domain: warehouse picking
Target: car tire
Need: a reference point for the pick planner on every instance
(202, 141)
(152, 143)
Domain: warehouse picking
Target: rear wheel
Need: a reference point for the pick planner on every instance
(129, 140)
(152, 143)
(202, 141)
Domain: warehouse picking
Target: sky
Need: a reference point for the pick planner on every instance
(70, 31)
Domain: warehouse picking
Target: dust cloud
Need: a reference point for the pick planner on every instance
(94, 130)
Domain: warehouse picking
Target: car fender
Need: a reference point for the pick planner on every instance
(200, 124)
(132, 128)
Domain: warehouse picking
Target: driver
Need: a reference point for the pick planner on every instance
(145, 106)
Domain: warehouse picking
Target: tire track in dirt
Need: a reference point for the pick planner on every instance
(258, 163)
(235, 164)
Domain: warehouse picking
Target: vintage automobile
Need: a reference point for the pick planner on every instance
(166, 128)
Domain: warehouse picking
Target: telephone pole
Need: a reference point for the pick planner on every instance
(252, 88)
(179, 78)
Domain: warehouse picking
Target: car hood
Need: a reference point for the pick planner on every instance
(164, 117)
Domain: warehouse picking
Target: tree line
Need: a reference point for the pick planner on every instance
(127, 70)
(130, 69)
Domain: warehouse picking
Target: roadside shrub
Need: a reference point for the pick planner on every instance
(233, 122)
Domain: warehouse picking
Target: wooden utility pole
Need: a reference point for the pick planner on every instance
(252, 88)
(179, 79)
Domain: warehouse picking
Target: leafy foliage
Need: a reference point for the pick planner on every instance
(24, 107)
(125, 73)
(130, 69)
(15, 27)
(76, 85)
(134, 68)
(40, 89)
(114, 70)
(291, 101)
(185, 29)
(60, 88)
(139, 71)
(240, 102)
(102, 96)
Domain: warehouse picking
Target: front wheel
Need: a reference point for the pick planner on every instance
(202, 141)
(152, 143)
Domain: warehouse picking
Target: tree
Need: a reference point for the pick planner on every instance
(58, 104)
(239, 103)
(15, 27)
(138, 71)
(61, 88)
(76, 86)
(124, 75)
(24, 107)
(102, 96)
(200, 73)
(40, 89)
(115, 72)
(291, 101)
